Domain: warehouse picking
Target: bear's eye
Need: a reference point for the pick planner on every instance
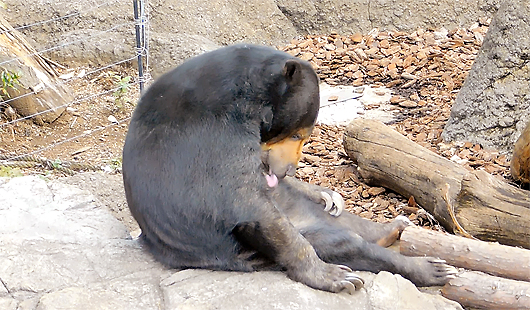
(296, 136)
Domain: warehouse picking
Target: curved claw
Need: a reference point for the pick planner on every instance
(338, 204)
(348, 286)
(352, 283)
(328, 200)
(334, 203)
(356, 280)
(346, 268)
(450, 270)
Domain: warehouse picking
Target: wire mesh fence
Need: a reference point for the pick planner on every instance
(89, 133)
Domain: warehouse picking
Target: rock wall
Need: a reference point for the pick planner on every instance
(493, 106)
(183, 28)
(347, 16)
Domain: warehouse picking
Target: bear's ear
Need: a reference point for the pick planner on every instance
(292, 71)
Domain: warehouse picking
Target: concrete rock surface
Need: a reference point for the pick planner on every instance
(103, 32)
(60, 249)
(493, 106)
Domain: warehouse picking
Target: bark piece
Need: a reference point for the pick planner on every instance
(492, 258)
(520, 165)
(49, 98)
(478, 290)
(469, 203)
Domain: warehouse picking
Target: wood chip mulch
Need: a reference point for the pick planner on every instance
(425, 69)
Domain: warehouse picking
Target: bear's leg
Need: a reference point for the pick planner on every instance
(353, 241)
(383, 234)
(297, 197)
(277, 239)
(340, 246)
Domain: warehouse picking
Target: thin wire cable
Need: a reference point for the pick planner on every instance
(340, 101)
(68, 43)
(144, 51)
(62, 106)
(60, 17)
(68, 80)
(69, 139)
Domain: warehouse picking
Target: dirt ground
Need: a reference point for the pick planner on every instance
(95, 139)
(425, 69)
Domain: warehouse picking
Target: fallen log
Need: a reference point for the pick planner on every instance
(38, 92)
(473, 204)
(492, 258)
(477, 290)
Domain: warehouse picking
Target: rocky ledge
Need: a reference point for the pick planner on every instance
(61, 249)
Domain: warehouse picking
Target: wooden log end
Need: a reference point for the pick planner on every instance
(479, 290)
(520, 164)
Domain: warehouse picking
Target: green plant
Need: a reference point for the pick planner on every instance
(44, 175)
(123, 84)
(112, 165)
(8, 80)
(10, 172)
(115, 164)
(56, 164)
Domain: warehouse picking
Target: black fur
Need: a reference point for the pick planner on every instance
(194, 174)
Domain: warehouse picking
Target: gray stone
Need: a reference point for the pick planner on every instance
(60, 249)
(409, 15)
(390, 291)
(348, 17)
(93, 47)
(172, 49)
(493, 106)
(104, 35)
(179, 29)
(321, 17)
(8, 303)
(138, 290)
(234, 290)
(108, 192)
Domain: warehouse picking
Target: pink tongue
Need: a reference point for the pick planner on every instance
(272, 180)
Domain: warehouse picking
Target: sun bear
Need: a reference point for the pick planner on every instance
(208, 163)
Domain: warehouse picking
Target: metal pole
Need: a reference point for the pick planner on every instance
(138, 23)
